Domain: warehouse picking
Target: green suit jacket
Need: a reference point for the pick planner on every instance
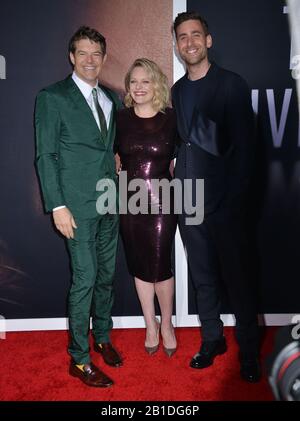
(71, 155)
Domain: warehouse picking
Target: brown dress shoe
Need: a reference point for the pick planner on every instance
(90, 375)
(109, 354)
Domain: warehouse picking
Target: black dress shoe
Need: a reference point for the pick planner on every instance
(90, 375)
(250, 369)
(208, 351)
(109, 354)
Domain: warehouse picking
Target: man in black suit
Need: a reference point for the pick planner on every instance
(215, 122)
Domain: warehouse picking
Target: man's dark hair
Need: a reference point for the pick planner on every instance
(184, 16)
(85, 32)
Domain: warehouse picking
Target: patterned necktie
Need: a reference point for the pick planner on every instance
(100, 113)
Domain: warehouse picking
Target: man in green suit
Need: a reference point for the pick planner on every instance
(75, 130)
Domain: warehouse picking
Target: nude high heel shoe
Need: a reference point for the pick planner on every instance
(152, 349)
(170, 351)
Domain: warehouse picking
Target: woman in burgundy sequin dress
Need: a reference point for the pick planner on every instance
(145, 143)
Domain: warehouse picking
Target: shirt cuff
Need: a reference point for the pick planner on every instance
(58, 207)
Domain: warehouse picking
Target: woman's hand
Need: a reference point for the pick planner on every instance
(118, 163)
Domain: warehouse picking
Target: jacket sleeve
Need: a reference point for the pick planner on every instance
(240, 126)
(47, 131)
(119, 106)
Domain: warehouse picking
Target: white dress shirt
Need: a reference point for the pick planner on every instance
(105, 104)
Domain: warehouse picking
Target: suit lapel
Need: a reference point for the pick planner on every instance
(208, 92)
(112, 114)
(113, 110)
(181, 120)
(80, 102)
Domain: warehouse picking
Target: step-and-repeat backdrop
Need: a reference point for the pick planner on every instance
(250, 37)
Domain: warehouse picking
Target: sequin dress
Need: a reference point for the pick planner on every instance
(146, 147)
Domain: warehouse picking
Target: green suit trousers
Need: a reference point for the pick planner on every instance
(93, 256)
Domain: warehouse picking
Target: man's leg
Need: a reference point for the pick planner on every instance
(237, 271)
(203, 272)
(106, 249)
(236, 268)
(84, 268)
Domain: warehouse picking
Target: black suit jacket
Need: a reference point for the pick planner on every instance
(218, 144)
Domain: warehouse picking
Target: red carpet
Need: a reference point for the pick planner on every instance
(34, 367)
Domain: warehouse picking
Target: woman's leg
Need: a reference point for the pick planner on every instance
(146, 292)
(165, 294)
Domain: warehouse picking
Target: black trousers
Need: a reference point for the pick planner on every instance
(218, 250)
